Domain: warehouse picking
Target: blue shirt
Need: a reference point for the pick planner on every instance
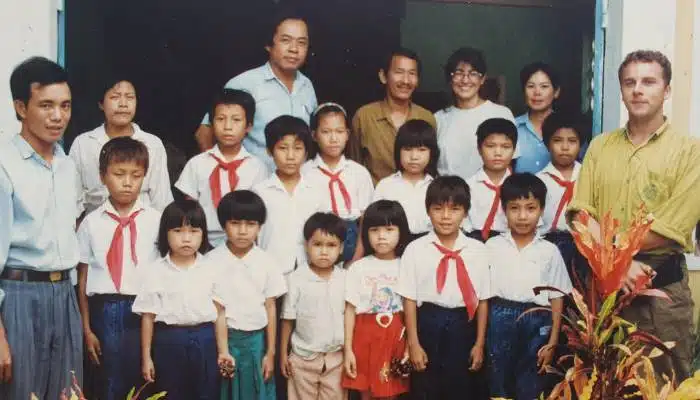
(39, 204)
(272, 99)
(534, 155)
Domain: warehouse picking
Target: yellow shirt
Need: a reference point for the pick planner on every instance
(373, 137)
(663, 173)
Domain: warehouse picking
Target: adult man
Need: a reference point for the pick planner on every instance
(40, 330)
(375, 125)
(279, 88)
(648, 162)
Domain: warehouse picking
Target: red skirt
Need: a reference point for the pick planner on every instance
(375, 346)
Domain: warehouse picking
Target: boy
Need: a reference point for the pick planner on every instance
(313, 314)
(118, 103)
(250, 283)
(445, 311)
(227, 166)
(114, 240)
(520, 348)
(496, 140)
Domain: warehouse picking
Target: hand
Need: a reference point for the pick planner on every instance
(350, 364)
(477, 357)
(285, 366)
(418, 356)
(268, 366)
(94, 349)
(544, 357)
(148, 370)
(636, 271)
(227, 365)
(5, 360)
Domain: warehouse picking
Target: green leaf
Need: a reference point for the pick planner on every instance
(131, 394)
(157, 396)
(605, 311)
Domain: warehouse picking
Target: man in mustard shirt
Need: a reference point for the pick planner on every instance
(648, 162)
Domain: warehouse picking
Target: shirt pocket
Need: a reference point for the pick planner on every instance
(652, 188)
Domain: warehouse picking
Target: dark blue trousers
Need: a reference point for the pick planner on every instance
(576, 264)
(351, 237)
(119, 332)
(447, 336)
(512, 349)
(185, 362)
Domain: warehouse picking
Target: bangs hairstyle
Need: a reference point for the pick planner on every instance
(182, 213)
(417, 133)
(448, 189)
(35, 70)
(401, 52)
(325, 109)
(531, 69)
(325, 222)
(241, 205)
(466, 55)
(494, 126)
(385, 213)
(123, 149)
(522, 186)
(237, 97)
(560, 120)
(285, 125)
(110, 82)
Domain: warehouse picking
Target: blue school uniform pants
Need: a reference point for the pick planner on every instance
(351, 237)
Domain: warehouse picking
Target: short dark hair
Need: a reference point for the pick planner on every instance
(522, 186)
(285, 13)
(647, 56)
(111, 81)
(241, 205)
(234, 97)
(417, 133)
(448, 189)
(324, 109)
(123, 149)
(559, 120)
(285, 125)
(530, 69)
(325, 222)
(496, 126)
(39, 70)
(181, 213)
(383, 213)
(467, 55)
(401, 52)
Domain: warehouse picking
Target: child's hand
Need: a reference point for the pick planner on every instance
(418, 356)
(350, 364)
(477, 358)
(148, 370)
(94, 349)
(285, 365)
(268, 366)
(227, 365)
(544, 357)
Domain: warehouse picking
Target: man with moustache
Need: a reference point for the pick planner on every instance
(375, 125)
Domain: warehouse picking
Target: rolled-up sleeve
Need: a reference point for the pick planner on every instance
(585, 189)
(6, 220)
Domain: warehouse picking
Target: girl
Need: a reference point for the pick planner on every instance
(349, 184)
(416, 153)
(374, 327)
(179, 313)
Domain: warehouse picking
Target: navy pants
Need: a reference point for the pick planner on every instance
(185, 362)
(512, 349)
(576, 264)
(351, 237)
(119, 332)
(447, 336)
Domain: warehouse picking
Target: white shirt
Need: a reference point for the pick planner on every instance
(85, 151)
(356, 179)
(243, 285)
(481, 200)
(177, 295)
(95, 237)
(554, 195)
(456, 134)
(318, 306)
(410, 196)
(514, 273)
(370, 286)
(419, 264)
(282, 234)
(194, 182)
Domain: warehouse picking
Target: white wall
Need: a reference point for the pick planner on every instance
(29, 28)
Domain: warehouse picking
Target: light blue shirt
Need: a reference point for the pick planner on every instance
(272, 99)
(534, 155)
(39, 204)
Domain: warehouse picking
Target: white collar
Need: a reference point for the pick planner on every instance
(461, 242)
(108, 207)
(216, 151)
(551, 169)
(342, 163)
(482, 177)
(310, 275)
(169, 262)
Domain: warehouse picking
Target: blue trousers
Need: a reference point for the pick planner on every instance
(447, 336)
(185, 362)
(119, 332)
(351, 237)
(576, 264)
(512, 349)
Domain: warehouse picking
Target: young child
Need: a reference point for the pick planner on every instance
(227, 166)
(374, 327)
(349, 184)
(520, 348)
(496, 139)
(444, 281)
(249, 283)
(118, 102)
(180, 313)
(312, 315)
(416, 153)
(115, 241)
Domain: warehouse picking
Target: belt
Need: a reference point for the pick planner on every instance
(512, 303)
(112, 297)
(27, 275)
(163, 325)
(668, 268)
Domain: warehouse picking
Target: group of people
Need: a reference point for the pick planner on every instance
(312, 254)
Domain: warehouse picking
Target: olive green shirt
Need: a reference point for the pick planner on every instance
(663, 174)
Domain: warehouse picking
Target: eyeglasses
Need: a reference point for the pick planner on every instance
(472, 75)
